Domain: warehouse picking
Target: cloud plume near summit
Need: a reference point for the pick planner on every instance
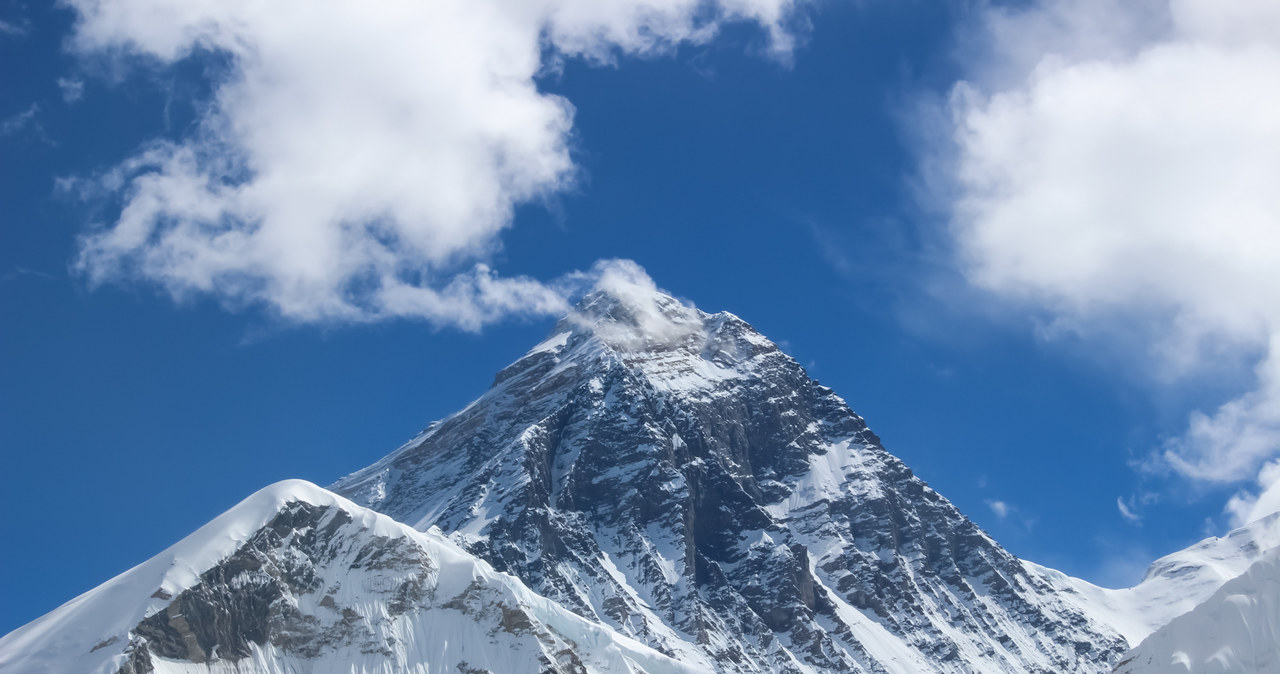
(358, 159)
(1117, 162)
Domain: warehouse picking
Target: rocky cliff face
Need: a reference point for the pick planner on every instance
(672, 474)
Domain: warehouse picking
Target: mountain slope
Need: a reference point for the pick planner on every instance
(672, 474)
(1235, 630)
(297, 579)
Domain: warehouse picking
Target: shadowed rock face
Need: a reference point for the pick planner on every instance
(673, 474)
(325, 586)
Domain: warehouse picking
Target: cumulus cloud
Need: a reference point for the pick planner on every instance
(999, 508)
(1116, 161)
(354, 156)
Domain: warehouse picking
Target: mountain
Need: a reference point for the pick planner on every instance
(674, 475)
(1235, 630)
(651, 489)
(297, 579)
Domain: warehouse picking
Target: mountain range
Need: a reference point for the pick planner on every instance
(652, 488)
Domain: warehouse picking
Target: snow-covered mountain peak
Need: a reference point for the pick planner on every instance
(651, 336)
(634, 319)
(633, 315)
(672, 474)
(297, 578)
(628, 313)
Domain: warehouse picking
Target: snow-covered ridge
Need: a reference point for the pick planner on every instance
(1174, 584)
(1235, 630)
(110, 610)
(361, 593)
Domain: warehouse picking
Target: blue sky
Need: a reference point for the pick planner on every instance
(1032, 244)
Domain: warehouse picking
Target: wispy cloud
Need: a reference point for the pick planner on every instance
(1126, 511)
(350, 165)
(1131, 508)
(72, 89)
(20, 122)
(1115, 163)
(10, 28)
(19, 272)
(26, 125)
(1011, 516)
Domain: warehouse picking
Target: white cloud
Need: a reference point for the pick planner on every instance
(356, 155)
(999, 508)
(1116, 162)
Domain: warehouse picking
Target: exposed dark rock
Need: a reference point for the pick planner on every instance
(245, 600)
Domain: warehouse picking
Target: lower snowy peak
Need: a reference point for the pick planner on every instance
(1235, 630)
(672, 474)
(1174, 584)
(298, 579)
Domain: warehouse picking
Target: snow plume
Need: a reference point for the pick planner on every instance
(1115, 162)
(354, 156)
(627, 310)
(1247, 507)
